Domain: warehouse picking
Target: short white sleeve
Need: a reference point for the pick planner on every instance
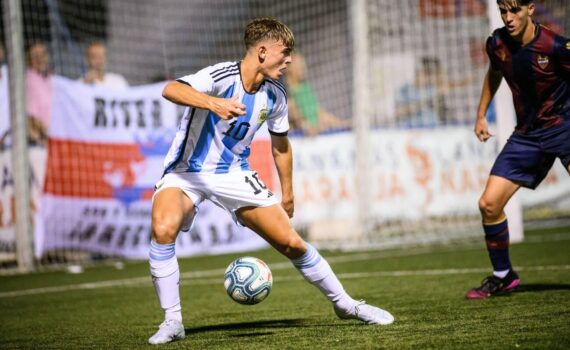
(201, 80)
(278, 120)
(212, 80)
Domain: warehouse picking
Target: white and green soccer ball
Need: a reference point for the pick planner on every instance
(248, 280)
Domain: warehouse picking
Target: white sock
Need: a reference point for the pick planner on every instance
(318, 272)
(501, 274)
(166, 278)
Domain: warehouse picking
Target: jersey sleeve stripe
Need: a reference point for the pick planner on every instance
(224, 68)
(183, 82)
(278, 87)
(278, 83)
(225, 76)
(231, 70)
(220, 71)
(278, 133)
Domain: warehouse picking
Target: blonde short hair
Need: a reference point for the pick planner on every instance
(264, 28)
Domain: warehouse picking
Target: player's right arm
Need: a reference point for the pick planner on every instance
(186, 95)
(491, 84)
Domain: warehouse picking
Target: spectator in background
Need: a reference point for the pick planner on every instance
(305, 112)
(39, 90)
(423, 102)
(96, 57)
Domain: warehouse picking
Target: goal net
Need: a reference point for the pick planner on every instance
(399, 164)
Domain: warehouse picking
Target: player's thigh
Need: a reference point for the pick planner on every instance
(170, 206)
(557, 143)
(498, 191)
(272, 224)
(526, 159)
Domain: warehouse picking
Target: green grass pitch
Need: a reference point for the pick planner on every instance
(107, 308)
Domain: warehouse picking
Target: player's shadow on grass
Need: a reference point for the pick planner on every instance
(259, 325)
(541, 287)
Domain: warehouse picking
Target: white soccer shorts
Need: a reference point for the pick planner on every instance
(230, 191)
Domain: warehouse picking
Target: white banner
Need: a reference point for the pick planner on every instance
(413, 174)
(106, 152)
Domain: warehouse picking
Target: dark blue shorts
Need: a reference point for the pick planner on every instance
(526, 159)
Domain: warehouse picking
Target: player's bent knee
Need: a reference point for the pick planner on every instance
(165, 231)
(489, 210)
(293, 248)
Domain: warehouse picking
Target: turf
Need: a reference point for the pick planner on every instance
(423, 287)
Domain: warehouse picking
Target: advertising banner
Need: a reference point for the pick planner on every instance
(413, 174)
(105, 154)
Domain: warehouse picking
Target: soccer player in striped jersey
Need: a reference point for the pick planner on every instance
(227, 103)
(535, 62)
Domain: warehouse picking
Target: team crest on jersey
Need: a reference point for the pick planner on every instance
(263, 114)
(542, 61)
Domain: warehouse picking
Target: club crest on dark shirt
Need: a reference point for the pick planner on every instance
(542, 61)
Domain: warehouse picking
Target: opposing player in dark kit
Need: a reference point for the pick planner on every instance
(535, 62)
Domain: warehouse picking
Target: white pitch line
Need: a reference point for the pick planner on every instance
(189, 278)
(201, 277)
(144, 281)
(403, 273)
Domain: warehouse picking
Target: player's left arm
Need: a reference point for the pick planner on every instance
(283, 157)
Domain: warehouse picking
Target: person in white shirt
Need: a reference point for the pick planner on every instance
(227, 103)
(96, 58)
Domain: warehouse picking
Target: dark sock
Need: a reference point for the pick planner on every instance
(497, 240)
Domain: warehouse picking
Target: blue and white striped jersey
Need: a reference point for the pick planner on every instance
(206, 143)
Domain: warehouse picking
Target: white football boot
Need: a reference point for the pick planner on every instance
(169, 330)
(366, 313)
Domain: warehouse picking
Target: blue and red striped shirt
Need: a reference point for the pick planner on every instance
(538, 74)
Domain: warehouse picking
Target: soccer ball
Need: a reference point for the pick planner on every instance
(248, 280)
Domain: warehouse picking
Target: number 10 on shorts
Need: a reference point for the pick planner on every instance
(256, 184)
